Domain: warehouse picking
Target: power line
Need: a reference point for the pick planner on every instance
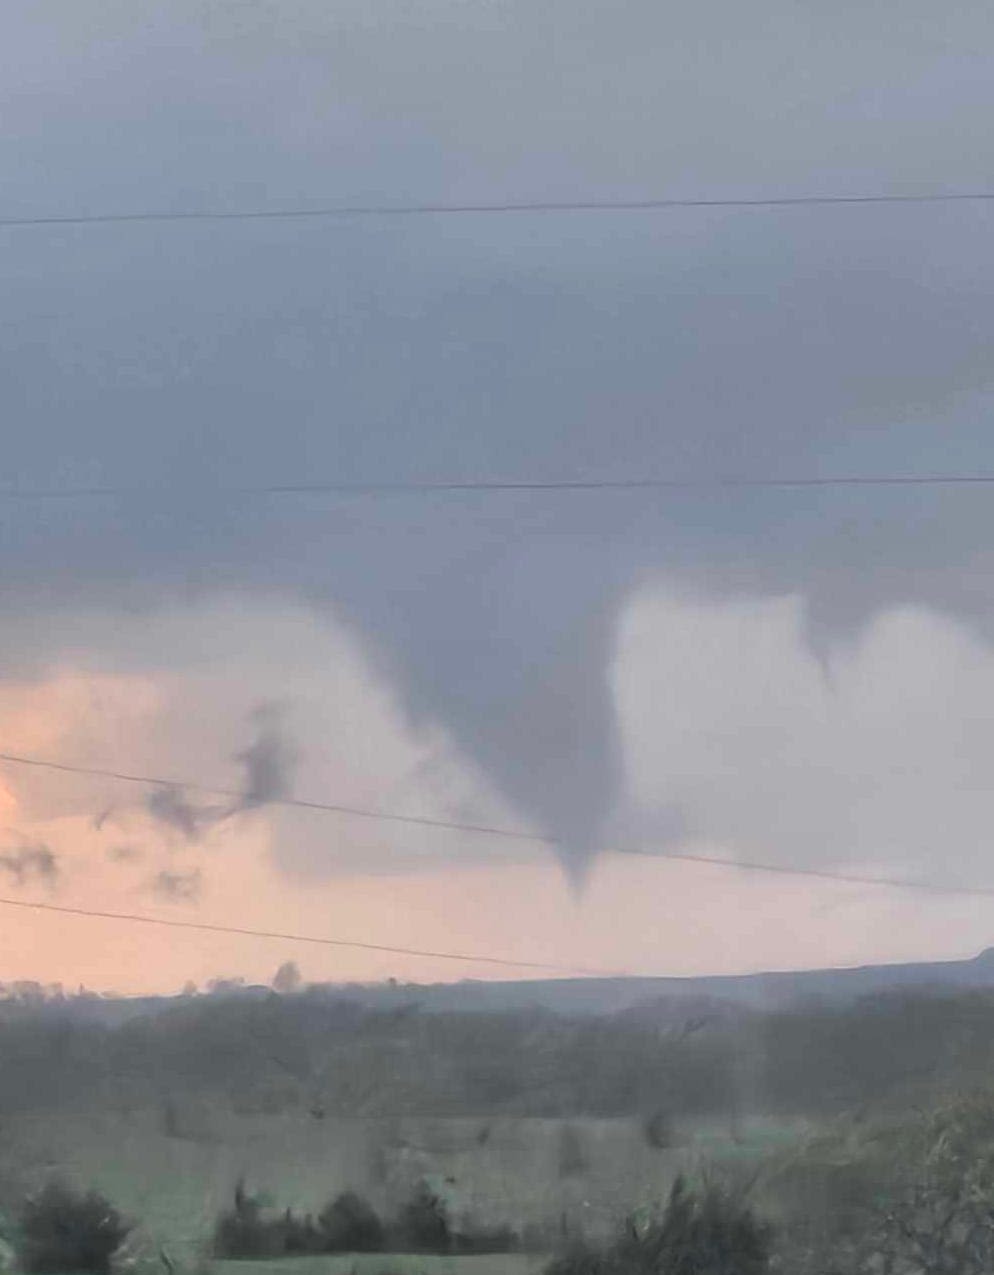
(173, 923)
(514, 834)
(358, 812)
(512, 206)
(524, 486)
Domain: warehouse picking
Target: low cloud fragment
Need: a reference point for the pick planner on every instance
(177, 887)
(269, 760)
(169, 805)
(31, 863)
(124, 854)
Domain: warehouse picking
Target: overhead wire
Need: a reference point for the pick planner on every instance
(514, 834)
(324, 941)
(524, 486)
(500, 207)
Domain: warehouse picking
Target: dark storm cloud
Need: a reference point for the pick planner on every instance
(706, 343)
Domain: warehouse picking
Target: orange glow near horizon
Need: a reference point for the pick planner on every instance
(637, 915)
(8, 802)
(679, 921)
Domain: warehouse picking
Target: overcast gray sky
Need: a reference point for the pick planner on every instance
(533, 658)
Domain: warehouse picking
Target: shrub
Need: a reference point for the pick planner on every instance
(581, 1259)
(707, 1232)
(299, 1235)
(572, 1158)
(62, 1231)
(423, 1225)
(658, 1131)
(937, 1214)
(244, 1232)
(349, 1224)
(499, 1239)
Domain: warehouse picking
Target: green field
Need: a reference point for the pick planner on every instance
(389, 1264)
(174, 1187)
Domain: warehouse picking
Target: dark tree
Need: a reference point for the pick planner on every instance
(349, 1224)
(287, 978)
(243, 1232)
(423, 1225)
(62, 1231)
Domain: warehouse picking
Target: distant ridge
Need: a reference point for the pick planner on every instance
(762, 991)
(771, 990)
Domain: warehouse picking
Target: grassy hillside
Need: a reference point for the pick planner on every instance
(539, 1174)
(553, 1126)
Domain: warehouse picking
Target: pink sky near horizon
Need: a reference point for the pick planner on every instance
(773, 757)
(635, 917)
